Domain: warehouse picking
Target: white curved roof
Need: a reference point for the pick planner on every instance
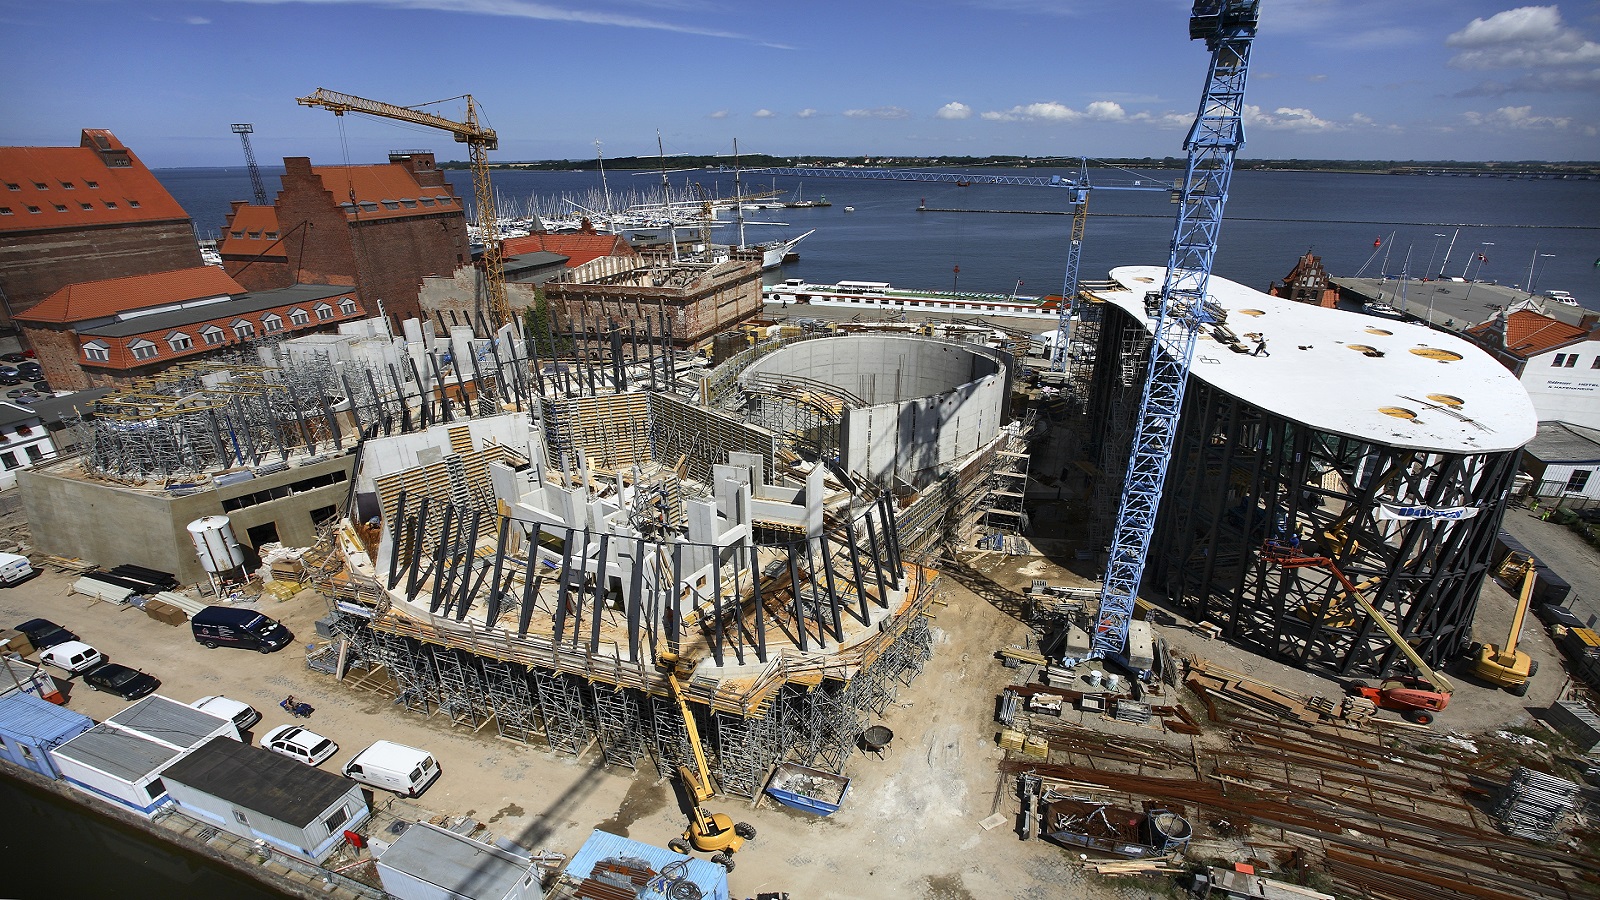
(1339, 371)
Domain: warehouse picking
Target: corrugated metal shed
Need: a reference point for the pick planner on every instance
(117, 753)
(710, 878)
(258, 779)
(43, 722)
(170, 722)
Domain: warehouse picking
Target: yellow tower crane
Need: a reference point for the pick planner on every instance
(479, 141)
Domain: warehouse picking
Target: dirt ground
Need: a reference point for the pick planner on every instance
(909, 827)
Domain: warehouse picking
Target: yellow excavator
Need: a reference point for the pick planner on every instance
(713, 833)
(1505, 666)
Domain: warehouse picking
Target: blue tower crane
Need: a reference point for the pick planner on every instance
(1228, 27)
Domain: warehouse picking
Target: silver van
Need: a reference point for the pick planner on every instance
(393, 767)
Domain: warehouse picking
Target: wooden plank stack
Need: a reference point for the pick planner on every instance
(1210, 680)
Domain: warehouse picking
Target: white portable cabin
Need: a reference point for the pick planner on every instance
(259, 795)
(430, 863)
(177, 725)
(119, 767)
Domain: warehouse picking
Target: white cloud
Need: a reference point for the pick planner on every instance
(1525, 37)
(196, 20)
(764, 114)
(719, 114)
(807, 113)
(879, 112)
(954, 110)
(1360, 119)
(1316, 78)
(1286, 118)
(1516, 117)
(1100, 110)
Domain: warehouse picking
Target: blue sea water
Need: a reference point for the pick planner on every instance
(1271, 218)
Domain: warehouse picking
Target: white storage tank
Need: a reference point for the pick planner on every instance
(213, 542)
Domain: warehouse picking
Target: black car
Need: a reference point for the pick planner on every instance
(9, 375)
(129, 684)
(14, 358)
(44, 634)
(1552, 615)
(43, 387)
(30, 371)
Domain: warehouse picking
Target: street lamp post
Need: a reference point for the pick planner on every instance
(1482, 258)
(1536, 257)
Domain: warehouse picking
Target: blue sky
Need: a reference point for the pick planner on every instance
(1370, 79)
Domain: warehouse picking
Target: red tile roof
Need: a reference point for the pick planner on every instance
(578, 248)
(1529, 334)
(385, 183)
(251, 230)
(76, 177)
(99, 299)
(119, 349)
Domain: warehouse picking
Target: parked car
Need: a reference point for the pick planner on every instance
(242, 715)
(394, 767)
(14, 358)
(217, 626)
(298, 743)
(43, 387)
(114, 678)
(1551, 615)
(72, 657)
(44, 634)
(30, 371)
(9, 375)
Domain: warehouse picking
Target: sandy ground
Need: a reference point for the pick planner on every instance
(909, 827)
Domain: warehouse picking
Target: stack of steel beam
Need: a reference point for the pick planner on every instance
(1535, 804)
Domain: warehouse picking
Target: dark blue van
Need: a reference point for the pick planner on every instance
(224, 626)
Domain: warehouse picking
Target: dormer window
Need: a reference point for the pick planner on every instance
(179, 342)
(93, 185)
(324, 311)
(244, 329)
(213, 334)
(143, 349)
(299, 316)
(97, 351)
(111, 204)
(69, 185)
(347, 306)
(271, 322)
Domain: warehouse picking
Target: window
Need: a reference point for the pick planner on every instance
(5, 210)
(1596, 363)
(61, 207)
(1572, 360)
(92, 184)
(212, 334)
(155, 789)
(1577, 481)
(11, 186)
(1558, 360)
(110, 204)
(255, 235)
(133, 203)
(9, 460)
(97, 351)
(179, 342)
(391, 204)
(27, 752)
(142, 349)
(299, 316)
(324, 311)
(41, 186)
(241, 818)
(271, 322)
(347, 306)
(34, 453)
(33, 209)
(409, 204)
(86, 206)
(272, 235)
(69, 185)
(244, 330)
(236, 234)
(427, 201)
(339, 817)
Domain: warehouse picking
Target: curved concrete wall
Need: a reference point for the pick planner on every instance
(929, 402)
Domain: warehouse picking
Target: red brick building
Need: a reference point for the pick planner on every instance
(1307, 282)
(111, 332)
(377, 228)
(84, 213)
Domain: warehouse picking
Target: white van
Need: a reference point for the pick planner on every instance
(393, 767)
(71, 657)
(242, 715)
(14, 568)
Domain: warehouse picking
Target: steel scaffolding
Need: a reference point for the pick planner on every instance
(516, 713)
(462, 693)
(621, 725)
(747, 748)
(567, 726)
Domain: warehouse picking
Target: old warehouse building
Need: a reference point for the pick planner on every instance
(1386, 446)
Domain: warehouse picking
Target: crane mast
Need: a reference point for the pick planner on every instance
(1228, 28)
(479, 141)
(244, 130)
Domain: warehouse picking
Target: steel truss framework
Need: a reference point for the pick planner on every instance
(1244, 476)
(742, 597)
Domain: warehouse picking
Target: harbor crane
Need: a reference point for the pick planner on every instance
(244, 130)
(479, 141)
(1229, 28)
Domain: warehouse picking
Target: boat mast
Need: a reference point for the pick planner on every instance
(666, 197)
(1447, 252)
(738, 200)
